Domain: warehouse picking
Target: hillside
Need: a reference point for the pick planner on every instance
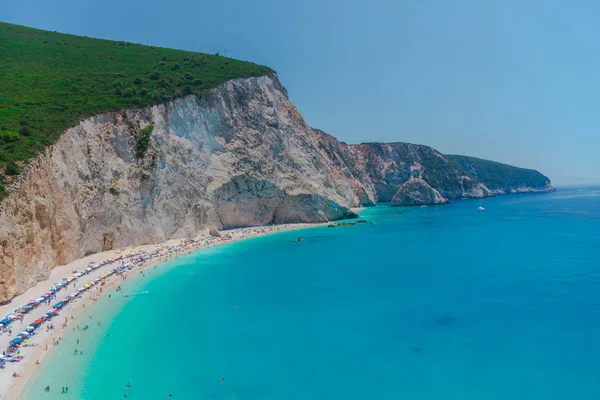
(50, 81)
(134, 160)
(501, 178)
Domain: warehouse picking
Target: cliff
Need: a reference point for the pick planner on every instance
(502, 178)
(240, 155)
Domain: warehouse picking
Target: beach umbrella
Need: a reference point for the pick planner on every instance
(16, 340)
(64, 279)
(31, 301)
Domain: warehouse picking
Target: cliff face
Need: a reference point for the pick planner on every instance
(388, 166)
(240, 156)
(502, 178)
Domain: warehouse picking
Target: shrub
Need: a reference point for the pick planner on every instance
(187, 90)
(25, 131)
(143, 92)
(12, 169)
(175, 67)
(120, 74)
(118, 91)
(163, 83)
(137, 80)
(9, 137)
(154, 76)
(129, 92)
(142, 138)
(114, 191)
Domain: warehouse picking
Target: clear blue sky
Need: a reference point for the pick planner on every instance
(513, 81)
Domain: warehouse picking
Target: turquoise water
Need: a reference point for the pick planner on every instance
(439, 303)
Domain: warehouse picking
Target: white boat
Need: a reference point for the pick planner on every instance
(480, 209)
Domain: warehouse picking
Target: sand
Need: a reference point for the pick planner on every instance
(11, 387)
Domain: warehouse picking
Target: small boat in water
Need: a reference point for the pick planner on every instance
(480, 209)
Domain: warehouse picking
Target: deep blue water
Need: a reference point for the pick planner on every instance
(439, 303)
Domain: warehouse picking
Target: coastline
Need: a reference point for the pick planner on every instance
(11, 387)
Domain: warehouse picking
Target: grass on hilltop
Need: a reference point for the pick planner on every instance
(50, 81)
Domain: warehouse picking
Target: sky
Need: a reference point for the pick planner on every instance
(513, 81)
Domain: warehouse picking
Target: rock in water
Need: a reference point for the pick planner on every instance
(416, 192)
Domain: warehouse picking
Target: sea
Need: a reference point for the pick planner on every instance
(424, 303)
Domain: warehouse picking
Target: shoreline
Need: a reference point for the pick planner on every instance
(11, 387)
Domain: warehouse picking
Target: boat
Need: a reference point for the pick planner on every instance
(480, 208)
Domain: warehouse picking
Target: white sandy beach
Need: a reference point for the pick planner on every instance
(11, 387)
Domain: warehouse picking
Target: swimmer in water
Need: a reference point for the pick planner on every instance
(222, 381)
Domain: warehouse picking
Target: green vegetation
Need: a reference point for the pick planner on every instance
(142, 138)
(50, 81)
(496, 175)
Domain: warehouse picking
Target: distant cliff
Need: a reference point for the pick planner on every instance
(502, 178)
(240, 155)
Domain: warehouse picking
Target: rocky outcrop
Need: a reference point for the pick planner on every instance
(241, 155)
(416, 192)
